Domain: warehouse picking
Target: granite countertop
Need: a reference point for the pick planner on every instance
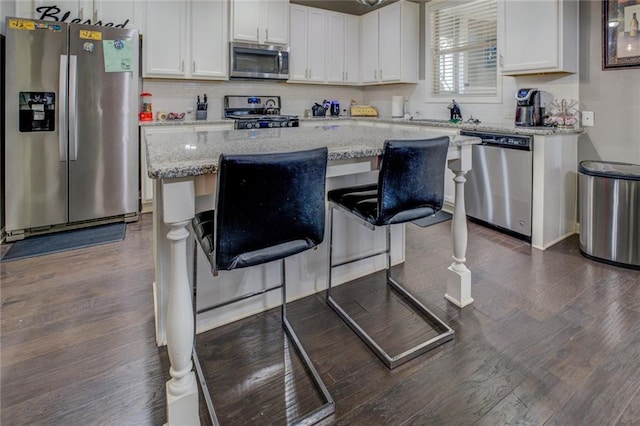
(191, 153)
(482, 127)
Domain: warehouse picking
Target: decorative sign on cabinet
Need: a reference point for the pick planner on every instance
(546, 41)
(121, 14)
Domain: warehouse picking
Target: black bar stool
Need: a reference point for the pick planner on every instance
(269, 207)
(410, 186)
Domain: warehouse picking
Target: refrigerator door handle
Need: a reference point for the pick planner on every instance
(62, 104)
(73, 108)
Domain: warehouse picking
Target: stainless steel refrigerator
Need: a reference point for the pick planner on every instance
(71, 104)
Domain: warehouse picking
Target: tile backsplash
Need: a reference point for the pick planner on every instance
(180, 95)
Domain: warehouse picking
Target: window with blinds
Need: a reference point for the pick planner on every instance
(463, 49)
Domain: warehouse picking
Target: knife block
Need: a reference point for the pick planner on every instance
(201, 114)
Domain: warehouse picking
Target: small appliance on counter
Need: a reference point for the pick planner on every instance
(257, 112)
(146, 109)
(397, 106)
(528, 109)
(335, 108)
(318, 110)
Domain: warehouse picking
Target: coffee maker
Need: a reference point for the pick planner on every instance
(528, 109)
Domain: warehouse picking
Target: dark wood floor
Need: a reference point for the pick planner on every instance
(551, 338)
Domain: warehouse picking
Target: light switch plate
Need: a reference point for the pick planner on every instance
(587, 118)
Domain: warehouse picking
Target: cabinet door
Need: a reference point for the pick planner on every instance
(352, 49)
(275, 25)
(390, 43)
(369, 43)
(118, 12)
(245, 19)
(335, 51)
(209, 48)
(316, 45)
(532, 42)
(165, 38)
(298, 70)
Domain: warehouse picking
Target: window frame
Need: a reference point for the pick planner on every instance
(429, 75)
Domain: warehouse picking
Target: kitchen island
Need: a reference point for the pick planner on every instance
(183, 166)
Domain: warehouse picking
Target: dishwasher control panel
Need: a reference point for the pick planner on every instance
(501, 139)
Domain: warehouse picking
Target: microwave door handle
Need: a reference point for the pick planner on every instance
(62, 108)
(279, 62)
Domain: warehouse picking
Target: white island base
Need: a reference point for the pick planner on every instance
(176, 201)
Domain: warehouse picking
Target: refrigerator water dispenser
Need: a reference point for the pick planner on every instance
(37, 112)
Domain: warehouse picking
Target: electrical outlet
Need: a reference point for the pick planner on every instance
(587, 118)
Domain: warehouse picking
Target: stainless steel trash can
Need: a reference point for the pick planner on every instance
(609, 195)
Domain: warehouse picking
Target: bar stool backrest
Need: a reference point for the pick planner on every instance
(269, 206)
(411, 179)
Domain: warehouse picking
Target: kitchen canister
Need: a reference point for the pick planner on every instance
(397, 106)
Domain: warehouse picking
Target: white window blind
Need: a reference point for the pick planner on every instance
(463, 47)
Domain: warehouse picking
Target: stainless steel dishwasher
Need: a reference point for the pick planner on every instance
(499, 186)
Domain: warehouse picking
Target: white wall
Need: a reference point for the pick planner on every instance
(613, 95)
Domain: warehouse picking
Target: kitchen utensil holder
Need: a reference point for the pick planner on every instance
(201, 115)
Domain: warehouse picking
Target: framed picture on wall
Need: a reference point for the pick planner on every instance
(620, 34)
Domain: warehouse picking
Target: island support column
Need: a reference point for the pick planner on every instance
(182, 389)
(458, 275)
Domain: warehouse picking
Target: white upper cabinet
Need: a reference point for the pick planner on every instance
(352, 49)
(369, 47)
(260, 21)
(538, 36)
(112, 13)
(307, 47)
(185, 39)
(389, 43)
(343, 48)
(165, 39)
(209, 58)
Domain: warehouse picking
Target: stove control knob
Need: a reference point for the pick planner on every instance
(249, 125)
(290, 124)
(270, 124)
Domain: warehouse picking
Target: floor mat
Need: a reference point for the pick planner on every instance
(432, 220)
(68, 240)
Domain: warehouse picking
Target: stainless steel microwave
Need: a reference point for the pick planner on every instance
(259, 61)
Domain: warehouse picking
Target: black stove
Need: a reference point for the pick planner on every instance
(257, 112)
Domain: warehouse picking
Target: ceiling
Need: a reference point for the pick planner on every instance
(351, 7)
